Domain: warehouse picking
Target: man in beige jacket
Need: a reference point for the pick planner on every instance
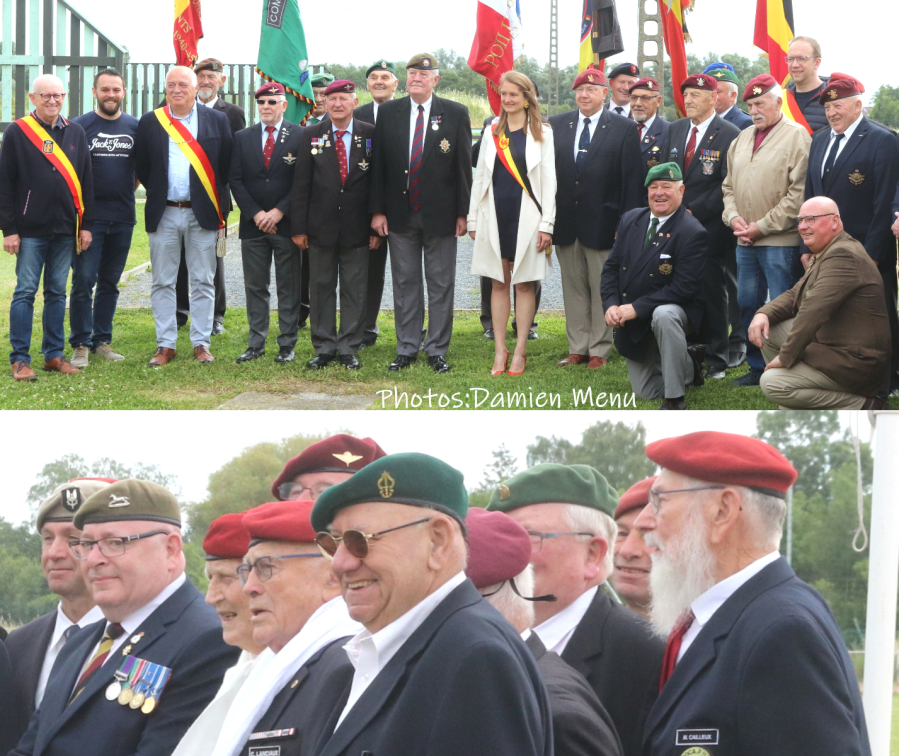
(763, 190)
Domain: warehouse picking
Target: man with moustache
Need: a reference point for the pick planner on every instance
(645, 102)
(621, 79)
(755, 662)
(803, 59)
(110, 138)
(34, 647)
(632, 556)
(319, 83)
(728, 89)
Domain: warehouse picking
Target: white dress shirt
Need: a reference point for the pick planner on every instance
(369, 654)
(57, 641)
(847, 135)
(274, 133)
(179, 166)
(580, 128)
(558, 629)
(413, 117)
(710, 601)
(646, 125)
(625, 109)
(661, 219)
(209, 104)
(703, 127)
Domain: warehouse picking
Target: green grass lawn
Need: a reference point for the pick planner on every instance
(894, 746)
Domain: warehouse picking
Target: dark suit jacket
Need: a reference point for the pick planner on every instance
(581, 726)
(256, 188)
(320, 205)
(445, 168)
(617, 652)
(365, 113)
(9, 730)
(462, 683)
(152, 163)
(590, 203)
(862, 182)
(645, 279)
(768, 673)
(183, 634)
(27, 647)
(237, 119)
(651, 150)
(738, 118)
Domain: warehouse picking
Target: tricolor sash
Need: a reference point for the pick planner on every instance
(39, 137)
(507, 158)
(791, 109)
(194, 153)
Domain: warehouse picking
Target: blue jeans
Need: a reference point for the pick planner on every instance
(762, 272)
(52, 255)
(101, 265)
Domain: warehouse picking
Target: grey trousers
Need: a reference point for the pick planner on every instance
(406, 253)
(585, 320)
(377, 263)
(667, 368)
(714, 294)
(179, 225)
(326, 266)
(256, 256)
(736, 345)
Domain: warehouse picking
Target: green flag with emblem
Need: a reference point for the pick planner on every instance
(282, 56)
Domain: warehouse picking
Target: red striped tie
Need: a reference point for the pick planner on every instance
(113, 631)
(341, 154)
(672, 648)
(415, 160)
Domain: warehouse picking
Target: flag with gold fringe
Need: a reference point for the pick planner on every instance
(188, 31)
(283, 58)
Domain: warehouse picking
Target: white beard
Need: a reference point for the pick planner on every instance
(682, 570)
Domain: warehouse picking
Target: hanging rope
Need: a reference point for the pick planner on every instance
(860, 540)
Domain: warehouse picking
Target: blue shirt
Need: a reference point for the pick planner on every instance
(179, 166)
(274, 133)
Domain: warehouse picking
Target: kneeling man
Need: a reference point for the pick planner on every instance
(650, 291)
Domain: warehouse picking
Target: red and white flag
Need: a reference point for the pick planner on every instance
(497, 43)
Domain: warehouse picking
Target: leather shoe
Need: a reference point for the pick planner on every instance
(202, 354)
(22, 371)
(697, 355)
(163, 356)
(62, 365)
(674, 404)
(489, 335)
(439, 364)
(596, 362)
(319, 361)
(252, 353)
(752, 378)
(285, 355)
(218, 328)
(349, 361)
(401, 361)
(533, 335)
(573, 359)
(715, 375)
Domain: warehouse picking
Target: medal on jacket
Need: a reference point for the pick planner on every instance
(157, 679)
(142, 684)
(121, 675)
(317, 145)
(127, 693)
(435, 123)
(368, 148)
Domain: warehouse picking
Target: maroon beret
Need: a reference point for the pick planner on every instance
(726, 458)
(645, 83)
(590, 76)
(272, 88)
(636, 497)
(499, 548)
(227, 538)
(280, 521)
(700, 81)
(758, 86)
(840, 85)
(340, 453)
(341, 85)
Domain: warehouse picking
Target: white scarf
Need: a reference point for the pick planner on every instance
(273, 671)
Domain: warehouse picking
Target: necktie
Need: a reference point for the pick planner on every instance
(640, 127)
(583, 144)
(113, 631)
(69, 632)
(341, 155)
(415, 160)
(619, 109)
(653, 226)
(691, 148)
(269, 145)
(832, 155)
(672, 648)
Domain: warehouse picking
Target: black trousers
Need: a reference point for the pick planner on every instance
(887, 270)
(487, 315)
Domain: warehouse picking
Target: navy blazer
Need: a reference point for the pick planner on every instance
(768, 673)
(668, 271)
(651, 150)
(365, 113)
(862, 182)
(463, 683)
(738, 118)
(27, 647)
(152, 165)
(183, 634)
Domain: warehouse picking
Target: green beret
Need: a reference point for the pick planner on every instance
(321, 79)
(557, 484)
(130, 500)
(423, 61)
(724, 74)
(381, 65)
(664, 172)
(418, 480)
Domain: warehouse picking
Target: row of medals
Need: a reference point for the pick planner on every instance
(127, 697)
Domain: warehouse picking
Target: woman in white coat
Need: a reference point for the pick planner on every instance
(512, 211)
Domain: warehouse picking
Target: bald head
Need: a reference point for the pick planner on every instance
(820, 222)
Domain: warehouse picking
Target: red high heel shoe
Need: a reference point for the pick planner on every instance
(523, 367)
(500, 372)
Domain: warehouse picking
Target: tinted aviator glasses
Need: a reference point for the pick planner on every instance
(356, 541)
(265, 566)
(109, 547)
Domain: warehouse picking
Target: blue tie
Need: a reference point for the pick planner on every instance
(583, 144)
(832, 155)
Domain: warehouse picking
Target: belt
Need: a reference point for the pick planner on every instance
(177, 204)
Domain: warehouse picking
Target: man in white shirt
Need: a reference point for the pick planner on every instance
(567, 510)
(755, 662)
(620, 80)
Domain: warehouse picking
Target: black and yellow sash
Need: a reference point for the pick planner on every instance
(504, 149)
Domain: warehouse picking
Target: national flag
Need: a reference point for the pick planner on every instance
(606, 39)
(188, 31)
(773, 32)
(283, 58)
(497, 44)
(586, 59)
(791, 110)
(674, 31)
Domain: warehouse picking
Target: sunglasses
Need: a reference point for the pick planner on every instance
(356, 541)
(268, 102)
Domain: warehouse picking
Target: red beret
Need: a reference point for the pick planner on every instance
(102, 480)
(272, 88)
(840, 85)
(227, 538)
(700, 81)
(341, 85)
(726, 458)
(499, 548)
(645, 83)
(340, 453)
(758, 86)
(280, 521)
(590, 76)
(636, 497)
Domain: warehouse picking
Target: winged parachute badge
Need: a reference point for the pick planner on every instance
(347, 457)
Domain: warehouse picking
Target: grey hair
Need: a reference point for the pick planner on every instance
(193, 75)
(518, 611)
(776, 92)
(728, 85)
(593, 521)
(48, 78)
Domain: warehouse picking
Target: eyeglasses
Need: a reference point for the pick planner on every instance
(537, 538)
(356, 541)
(54, 97)
(809, 219)
(295, 491)
(268, 102)
(109, 547)
(644, 98)
(655, 501)
(265, 566)
(802, 59)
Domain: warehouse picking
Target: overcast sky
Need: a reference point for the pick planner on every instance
(856, 38)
